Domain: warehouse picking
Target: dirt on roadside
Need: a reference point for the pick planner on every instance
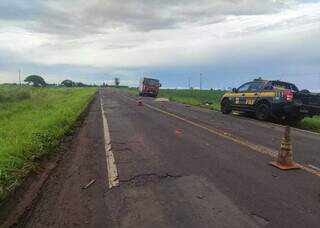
(17, 206)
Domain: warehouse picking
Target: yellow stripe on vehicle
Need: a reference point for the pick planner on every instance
(259, 94)
(268, 94)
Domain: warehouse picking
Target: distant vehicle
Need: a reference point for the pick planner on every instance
(149, 87)
(268, 99)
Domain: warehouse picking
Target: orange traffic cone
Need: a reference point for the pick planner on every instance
(285, 155)
(140, 102)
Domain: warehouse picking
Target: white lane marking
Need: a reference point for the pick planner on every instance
(113, 177)
(314, 167)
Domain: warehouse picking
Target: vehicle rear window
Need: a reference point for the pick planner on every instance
(283, 85)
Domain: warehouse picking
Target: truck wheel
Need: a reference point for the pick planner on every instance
(226, 107)
(263, 111)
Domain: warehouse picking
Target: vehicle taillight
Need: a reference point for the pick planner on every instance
(288, 95)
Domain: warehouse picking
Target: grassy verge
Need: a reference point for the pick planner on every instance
(211, 99)
(206, 98)
(312, 124)
(32, 122)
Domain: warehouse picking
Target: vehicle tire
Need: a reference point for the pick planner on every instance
(263, 111)
(226, 107)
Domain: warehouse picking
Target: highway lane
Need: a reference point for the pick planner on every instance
(176, 174)
(149, 145)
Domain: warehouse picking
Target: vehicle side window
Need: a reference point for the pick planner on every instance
(254, 87)
(244, 87)
(268, 86)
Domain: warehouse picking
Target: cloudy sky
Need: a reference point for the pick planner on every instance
(227, 41)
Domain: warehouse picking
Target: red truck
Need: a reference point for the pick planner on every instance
(149, 87)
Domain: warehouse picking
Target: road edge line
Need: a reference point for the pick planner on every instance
(113, 177)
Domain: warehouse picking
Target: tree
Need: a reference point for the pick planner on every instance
(36, 80)
(67, 83)
(116, 81)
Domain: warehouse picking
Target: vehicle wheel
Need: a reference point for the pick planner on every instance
(225, 106)
(263, 111)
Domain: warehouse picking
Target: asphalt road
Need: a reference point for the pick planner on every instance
(178, 166)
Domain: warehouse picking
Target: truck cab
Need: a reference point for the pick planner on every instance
(149, 87)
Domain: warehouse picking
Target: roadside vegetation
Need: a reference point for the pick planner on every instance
(211, 99)
(312, 124)
(204, 98)
(32, 123)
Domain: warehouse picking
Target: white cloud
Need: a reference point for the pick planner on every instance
(139, 34)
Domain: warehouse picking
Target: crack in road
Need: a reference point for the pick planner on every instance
(144, 179)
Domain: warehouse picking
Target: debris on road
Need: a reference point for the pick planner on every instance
(162, 99)
(89, 184)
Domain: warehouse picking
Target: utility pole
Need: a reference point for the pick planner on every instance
(200, 81)
(20, 77)
(189, 83)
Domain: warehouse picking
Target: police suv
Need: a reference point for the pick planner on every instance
(268, 99)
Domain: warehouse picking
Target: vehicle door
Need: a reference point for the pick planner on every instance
(253, 94)
(240, 96)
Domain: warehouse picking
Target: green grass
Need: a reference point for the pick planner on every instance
(32, 123)
(11, 94)
(312, 124)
